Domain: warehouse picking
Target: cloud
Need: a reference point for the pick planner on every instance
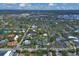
(51, 4)
(24, 4)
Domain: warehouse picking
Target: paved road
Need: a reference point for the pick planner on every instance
(24, 36)
(18, 45)
(34, 49)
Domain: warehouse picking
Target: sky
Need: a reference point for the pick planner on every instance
(39, 6)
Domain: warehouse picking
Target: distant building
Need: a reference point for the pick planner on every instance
(11, 35)
(49, 53)
(31, 33)
(76, 31)
(1, 36)
(34, 26)
(2, 52)
(27, 42)
(10, 53)
(13, 43)
(3, 42)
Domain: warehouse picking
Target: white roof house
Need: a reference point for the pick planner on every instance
(76, 30)
(16, 37)
(27, 42)
(34, 26)
(72, 37)
(76, 40)
(45, 34)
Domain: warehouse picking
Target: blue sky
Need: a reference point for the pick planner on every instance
(40, 6)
